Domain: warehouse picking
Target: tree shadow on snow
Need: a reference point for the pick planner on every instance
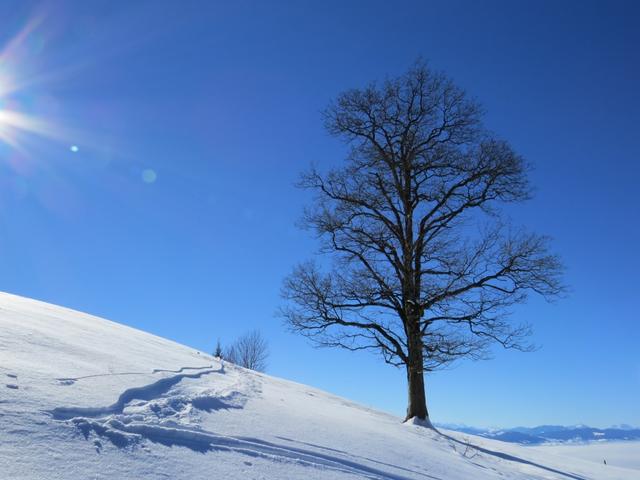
(511, 458)
(355, 456)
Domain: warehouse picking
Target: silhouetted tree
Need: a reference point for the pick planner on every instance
(425, 267)
(218, 352)
(249, 351)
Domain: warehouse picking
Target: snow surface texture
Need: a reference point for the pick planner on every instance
(85, 398)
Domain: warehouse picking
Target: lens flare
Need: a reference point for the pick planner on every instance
(51, 143)
(149, 176)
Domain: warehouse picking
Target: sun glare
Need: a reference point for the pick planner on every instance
(18, 119)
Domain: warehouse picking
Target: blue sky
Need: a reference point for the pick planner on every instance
(193, 119)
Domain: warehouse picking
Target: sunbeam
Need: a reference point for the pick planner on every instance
(11, 121)
(17, 118)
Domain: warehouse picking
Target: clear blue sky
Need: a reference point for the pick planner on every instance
(192, 119)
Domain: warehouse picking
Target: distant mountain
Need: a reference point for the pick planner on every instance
(551, 433)
(459, 427)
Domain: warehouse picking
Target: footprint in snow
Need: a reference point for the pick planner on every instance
(14, 377)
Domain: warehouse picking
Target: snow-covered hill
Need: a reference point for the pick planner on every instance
(85, 398)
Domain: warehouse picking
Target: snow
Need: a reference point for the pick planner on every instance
(86, 398)
(620, 454)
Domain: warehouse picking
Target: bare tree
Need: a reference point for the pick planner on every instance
(249, 351)
(425, 268)
(218, 351)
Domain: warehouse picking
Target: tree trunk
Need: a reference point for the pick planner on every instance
(417, 404)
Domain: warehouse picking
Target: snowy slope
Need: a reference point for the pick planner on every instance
(85, 398)
(622, 454)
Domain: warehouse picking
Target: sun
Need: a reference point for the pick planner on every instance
(17, 119)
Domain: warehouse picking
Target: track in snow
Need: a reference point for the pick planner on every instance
(13, 382)
(72, 380)
(147, 392)
(160, 414)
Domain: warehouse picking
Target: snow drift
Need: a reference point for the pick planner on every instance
(86, 398)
